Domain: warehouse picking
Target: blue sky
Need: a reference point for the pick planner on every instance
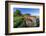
(31, 11)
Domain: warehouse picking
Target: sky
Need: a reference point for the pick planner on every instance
(31, 11)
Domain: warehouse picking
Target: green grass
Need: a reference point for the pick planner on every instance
(18, 20)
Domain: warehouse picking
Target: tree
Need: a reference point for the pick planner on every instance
(17, 12)
(37, 21)
(26, 14)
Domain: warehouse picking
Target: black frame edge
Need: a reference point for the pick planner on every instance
(25, 2)
(43, 17)
(6, 18)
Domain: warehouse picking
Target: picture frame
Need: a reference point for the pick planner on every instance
(8, 24)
